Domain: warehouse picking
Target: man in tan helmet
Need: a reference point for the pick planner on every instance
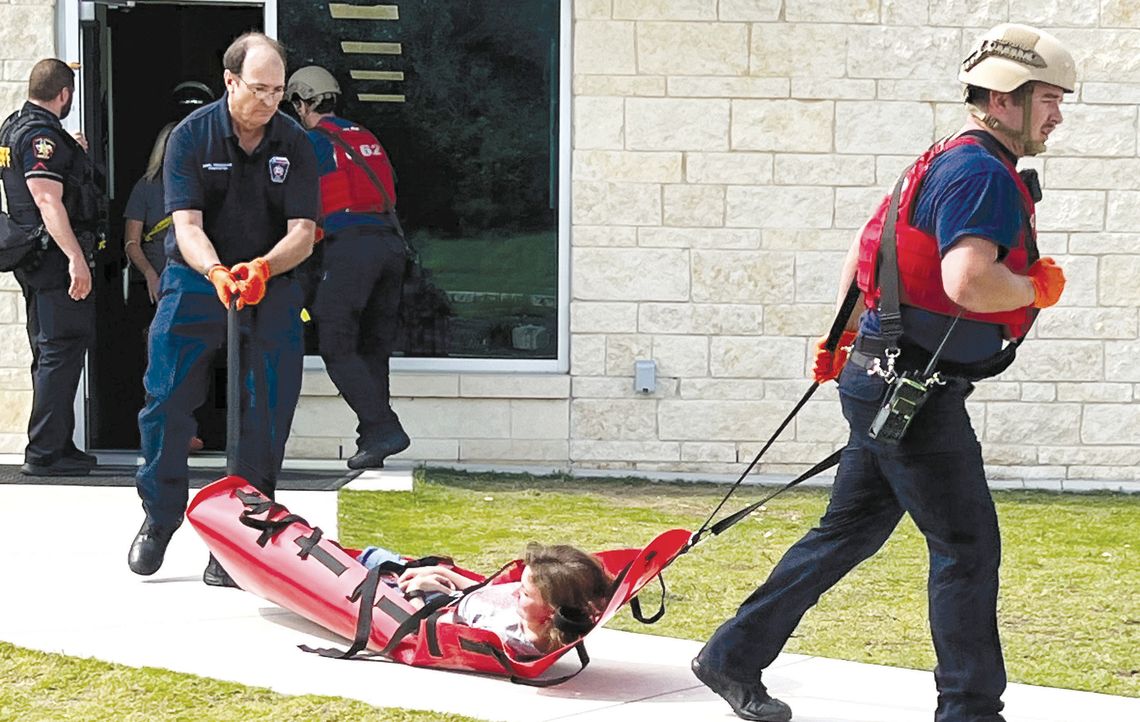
(951, 281)
(359, 265)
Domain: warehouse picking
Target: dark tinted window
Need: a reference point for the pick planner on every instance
(464, 96)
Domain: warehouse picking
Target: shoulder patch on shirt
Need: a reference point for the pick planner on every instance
(43, 147)
(5, 156)
(278, 168)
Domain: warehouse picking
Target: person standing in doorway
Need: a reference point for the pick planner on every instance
(53, 195)
(360, 269)
(241, 186)
(948, 269)
(146, 220)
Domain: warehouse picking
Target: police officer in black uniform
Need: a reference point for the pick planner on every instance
(240, 182)
(53, 194)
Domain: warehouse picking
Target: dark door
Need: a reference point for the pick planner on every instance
(147, 50)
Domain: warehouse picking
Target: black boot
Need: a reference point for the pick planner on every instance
(371, 455)
(216, 576)
(149, 548)
(748, 701)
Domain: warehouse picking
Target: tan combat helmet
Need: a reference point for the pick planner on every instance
(311, 83)
(1010, 57)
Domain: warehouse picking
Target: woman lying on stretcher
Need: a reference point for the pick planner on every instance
(562, 592)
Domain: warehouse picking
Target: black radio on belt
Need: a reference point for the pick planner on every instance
(905, 397)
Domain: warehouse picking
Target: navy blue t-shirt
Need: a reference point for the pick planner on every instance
(967, 191)
(246, 199)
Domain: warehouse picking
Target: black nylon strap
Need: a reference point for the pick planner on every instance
(268, 528)
(728, 521)
(505, 662)
(837, 327)
(890, 318)
(412, 623)
(393, 610)
(309, 547)
(635, 605)
(389, 205)
(366, 593)
(783, 425)
(432, 632)
(250, 499)
(839, 323)
(396, 567)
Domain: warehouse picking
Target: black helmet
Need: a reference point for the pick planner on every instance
(190, 95)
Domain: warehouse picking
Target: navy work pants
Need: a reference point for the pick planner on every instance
(935, 474)
(357, 299)
(189, 327)
(60, 330)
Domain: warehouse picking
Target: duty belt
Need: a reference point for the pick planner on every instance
(869, 349)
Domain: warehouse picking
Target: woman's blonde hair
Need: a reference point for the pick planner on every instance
(572, 583)
(157, 154)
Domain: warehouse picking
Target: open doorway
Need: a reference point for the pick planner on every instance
(147, 49)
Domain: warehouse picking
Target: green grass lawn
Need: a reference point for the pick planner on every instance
(38, 687)
(1070, 615)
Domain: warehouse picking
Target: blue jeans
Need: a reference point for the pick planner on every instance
(189, 326)
(935, 474)
(375, 556)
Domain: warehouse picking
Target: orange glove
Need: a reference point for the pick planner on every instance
(252, 278)
(224, 283)
(828, 364)
(1048, 282)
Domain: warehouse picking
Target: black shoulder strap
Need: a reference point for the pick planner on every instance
(890, 317)
(389, 205)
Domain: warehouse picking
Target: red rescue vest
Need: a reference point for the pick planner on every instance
(919, 260)
(349, 188)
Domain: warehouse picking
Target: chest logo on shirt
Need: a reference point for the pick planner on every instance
(278, 168)
(43, 148)
(217, 166)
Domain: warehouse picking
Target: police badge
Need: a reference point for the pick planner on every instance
(278, 168)
(43, 148)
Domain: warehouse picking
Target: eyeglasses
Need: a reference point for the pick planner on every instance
(263, 92)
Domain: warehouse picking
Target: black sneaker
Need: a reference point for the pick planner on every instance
(748, 701)
(62, 466)
(77, 455)
(216, 576)
(371, 456)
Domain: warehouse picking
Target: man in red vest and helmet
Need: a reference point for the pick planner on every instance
(360, 263)
(949, 272)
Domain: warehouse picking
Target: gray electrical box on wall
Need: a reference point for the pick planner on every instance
(645, 376)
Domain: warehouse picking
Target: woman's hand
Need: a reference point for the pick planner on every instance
(152, 285)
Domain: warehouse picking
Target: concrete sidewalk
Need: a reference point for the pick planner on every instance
(72, 593)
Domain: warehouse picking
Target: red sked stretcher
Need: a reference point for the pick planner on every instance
(276, 555)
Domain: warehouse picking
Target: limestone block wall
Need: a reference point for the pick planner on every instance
(28, 35)
(725, 152)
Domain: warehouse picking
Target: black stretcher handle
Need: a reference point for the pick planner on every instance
(233, 388)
